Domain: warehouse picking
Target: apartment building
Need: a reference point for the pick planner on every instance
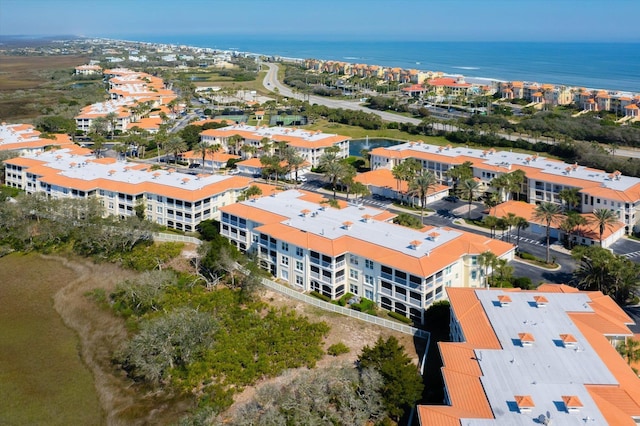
(545, 177)
(172, 199)
(356, 249)
(88, 70)
(310, 144)
(23, 138)
(128, 91)
(535, 357)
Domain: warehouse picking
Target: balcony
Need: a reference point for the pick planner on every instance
(386, 291)
(386, 276)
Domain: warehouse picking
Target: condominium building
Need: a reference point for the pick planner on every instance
(535, 357)
(128, 91)
(357, 249)
(545, 177)
(310, 144)
(176, 200)
(23, 138)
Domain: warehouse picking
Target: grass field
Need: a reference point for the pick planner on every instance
(42, 377)
(32, 86)
(360, 133)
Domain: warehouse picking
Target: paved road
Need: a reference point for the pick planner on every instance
(271, 81)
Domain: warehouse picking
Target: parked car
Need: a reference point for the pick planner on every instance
(302, 178)
(452, 198)
(195, 165)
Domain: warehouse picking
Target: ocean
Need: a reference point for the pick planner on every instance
(611, 66)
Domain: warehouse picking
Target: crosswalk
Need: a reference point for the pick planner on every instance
(514, 237)
(445, 216)
(632, 254)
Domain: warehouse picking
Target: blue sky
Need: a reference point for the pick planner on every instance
(418, 20)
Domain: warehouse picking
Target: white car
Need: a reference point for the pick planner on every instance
(302, 178)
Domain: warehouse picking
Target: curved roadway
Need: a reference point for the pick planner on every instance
(271, 81)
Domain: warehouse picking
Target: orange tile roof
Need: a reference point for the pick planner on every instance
(470, 313)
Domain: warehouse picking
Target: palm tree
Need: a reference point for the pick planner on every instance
(294, 159)
(202, 148)
(504, 270)
(112, 120)
(492, 223)
(630, 349)
(515, 180)
(604, 218)
(470, 188)
(334, 172)
(421, 185)
(509, 220)
(175, 145)
(492, 200)
(549, 214)
(460, 173)
(487, 260)
(212, 151)
(501, 184)
(571, 197)
(235, 141)
(520, 223)
(572, 220)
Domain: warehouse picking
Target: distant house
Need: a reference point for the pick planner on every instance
(88, 70)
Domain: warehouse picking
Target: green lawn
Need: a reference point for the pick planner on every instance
(42, 378)
(360, 133)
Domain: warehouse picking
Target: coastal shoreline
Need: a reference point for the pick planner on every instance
(602, 66)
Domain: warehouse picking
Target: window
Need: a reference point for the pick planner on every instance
(299, 281)
(284, 260)
(368, 279)
(368, 294)
(353, 288)
(299, 266)
(353, 274)
(353, 259)
(299, 251)
(474, 275)
(284, 246)
(368, 263)
(474, 260)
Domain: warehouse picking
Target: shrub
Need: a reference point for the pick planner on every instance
(320, 296)
(366, 306)
(399, 317)
(344, 299)
(338, 349)
(523, 283)
(527, 256)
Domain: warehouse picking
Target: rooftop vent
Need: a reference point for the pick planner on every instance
(367, 218)
(305, 212)
(526, 339)
(572, 403)
(433, 236)
(524, 403)
(541, 301)
(504, 300)
(347, 225)
(156, 175)
(415, 244)
(568, 340)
